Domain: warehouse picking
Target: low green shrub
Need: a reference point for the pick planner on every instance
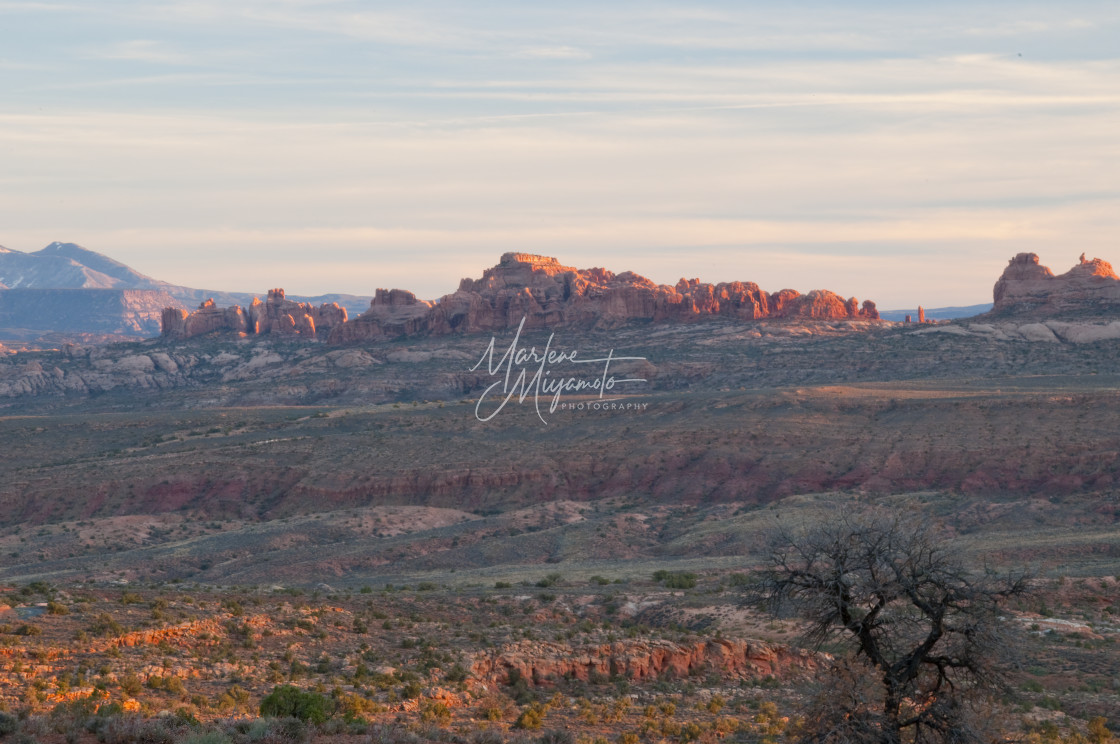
(675, 579)
(290, 701)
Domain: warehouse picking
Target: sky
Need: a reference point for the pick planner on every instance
(895, 151)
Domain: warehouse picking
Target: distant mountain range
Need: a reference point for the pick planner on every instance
(68, 266)
(937, 313)
(67, 289)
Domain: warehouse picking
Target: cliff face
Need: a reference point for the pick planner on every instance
(548, 294)
(276, 315)
(542, 662)
(119, 311)
(1026, 287)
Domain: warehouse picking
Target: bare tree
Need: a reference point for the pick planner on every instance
(929, 640)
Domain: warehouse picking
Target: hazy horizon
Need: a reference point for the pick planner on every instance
(450, 290)
(898, 154)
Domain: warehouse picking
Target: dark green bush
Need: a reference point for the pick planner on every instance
(131, 684)
(288, 700)
(675, 579)
(104, 624)
(457, 673)
(109, 710)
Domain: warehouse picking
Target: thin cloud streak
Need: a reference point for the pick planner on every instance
(744, 140)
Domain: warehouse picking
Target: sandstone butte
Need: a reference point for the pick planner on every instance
(275, 315)
(1026, 287)
(537, 288)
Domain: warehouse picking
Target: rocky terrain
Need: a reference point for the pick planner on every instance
(278, 369)
(390, 654)
(229, 369)
(541, 293)
(1045, 330)
(639, 661)
(554, 652)
(272, 470)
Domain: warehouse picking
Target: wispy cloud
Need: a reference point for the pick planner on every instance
(8, 6)
(143, 50)
(1027, 28)
(554, 52)
(868, 139)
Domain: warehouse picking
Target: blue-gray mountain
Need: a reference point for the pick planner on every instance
(937, 313)
(68, 266)
(67, 289)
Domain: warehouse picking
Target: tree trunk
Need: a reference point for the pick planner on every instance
(892, 703)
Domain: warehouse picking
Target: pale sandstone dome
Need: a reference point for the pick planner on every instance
(1027, 286)
(1031, 304)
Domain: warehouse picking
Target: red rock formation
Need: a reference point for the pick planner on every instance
(548, 294)
(398, 313)
(172, 321)
(207, 319)
(276, 315)
(539, 662)
(537, 288)
(1028, 287)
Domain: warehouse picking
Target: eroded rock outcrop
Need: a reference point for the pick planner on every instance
(276, 315)
(548, 294)
(542, 662)
(392, 313)
(1027, 287)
